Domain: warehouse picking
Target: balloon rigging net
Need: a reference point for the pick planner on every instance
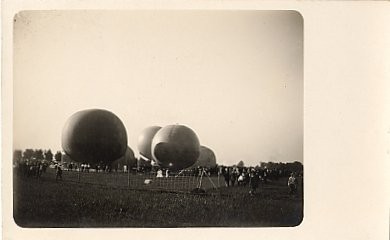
(172, 181)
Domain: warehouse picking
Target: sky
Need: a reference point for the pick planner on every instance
(234, 77)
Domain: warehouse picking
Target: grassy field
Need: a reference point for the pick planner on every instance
(105, 200)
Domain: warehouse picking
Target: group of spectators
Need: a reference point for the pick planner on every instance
(34, 168)
(253, 177)
(31, 167)
(240, 176)
(86, 167)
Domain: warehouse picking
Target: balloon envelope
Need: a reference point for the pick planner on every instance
(93, 136)
(145, 141)
(206, 158)
(128, 159)
(175, 147)
(66, 159)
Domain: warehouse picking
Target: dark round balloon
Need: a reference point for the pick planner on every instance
(94, 136)
(65, 158)
(206, 158)
(145, 141)
(175, 147)
(128, 159)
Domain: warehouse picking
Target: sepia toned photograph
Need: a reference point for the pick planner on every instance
(158, 118)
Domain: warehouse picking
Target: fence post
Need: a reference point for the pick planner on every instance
(128, 178)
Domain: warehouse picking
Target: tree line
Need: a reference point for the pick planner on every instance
(36, 154)
(272, 167)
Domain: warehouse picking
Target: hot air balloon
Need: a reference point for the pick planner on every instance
(145, 142)
(206, 158)
(175, 147)
(128, 159)
(94, 136)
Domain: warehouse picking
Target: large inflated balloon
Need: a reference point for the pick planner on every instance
(128, 159)
(145, 141)
(94, 136)
(66, 159)
(206, 158)
(175, 147)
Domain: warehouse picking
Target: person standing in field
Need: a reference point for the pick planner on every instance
(58, 172)
(159, 173)
(240, 180)
(292, 184)
(40, 170)
(265, 175)
(233, 177)
(226, 175)
(253, 182)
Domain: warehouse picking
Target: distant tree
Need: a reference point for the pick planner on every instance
(297, 166)
(58, 156)
(38, 154)
(271, 165)
(48, 155)
(18, 154)
(28, 154)
(240, 164)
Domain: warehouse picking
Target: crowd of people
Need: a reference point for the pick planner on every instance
(32, 168)
(255, 176)
(86, 167)
(232, 175)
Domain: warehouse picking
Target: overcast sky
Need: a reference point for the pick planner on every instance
(234, 77)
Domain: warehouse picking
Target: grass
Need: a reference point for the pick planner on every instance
(104, 200)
